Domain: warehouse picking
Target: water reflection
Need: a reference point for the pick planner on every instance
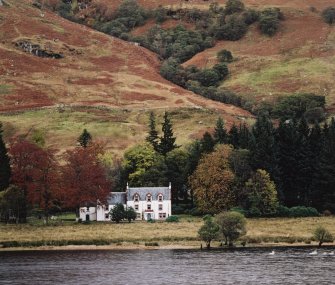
(251, 266)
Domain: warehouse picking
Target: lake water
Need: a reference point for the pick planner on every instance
(247, 266)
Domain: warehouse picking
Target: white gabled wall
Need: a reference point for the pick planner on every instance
(143, 205)
(91, 212)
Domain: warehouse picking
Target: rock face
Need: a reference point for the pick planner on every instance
(36, 49)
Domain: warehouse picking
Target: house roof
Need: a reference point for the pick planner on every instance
(117, 197)
(153, 191)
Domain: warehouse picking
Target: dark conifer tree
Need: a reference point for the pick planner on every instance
(264, 151)
(233, 137)
(85, 138)
(323, 196)
(207, 143)
(316, 143)
(220, 133)
(5, 171)
(152, 137)
(194, 153)
(167, 141)
(244, 136)
(287, 143)
(304, 158)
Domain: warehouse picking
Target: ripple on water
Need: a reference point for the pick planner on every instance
(249, 266)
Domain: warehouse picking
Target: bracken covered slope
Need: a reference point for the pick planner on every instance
(91, 70)
(300, 58)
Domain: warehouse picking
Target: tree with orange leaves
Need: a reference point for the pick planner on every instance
(36, 172)
(84, 177)
(212, 181)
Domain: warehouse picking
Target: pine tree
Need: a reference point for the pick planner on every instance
(85, 138)
(304, 158)
(287, 137)
(264, 152)
(207, 143)
(152, 137)
(220, 133)
(244, 136)
(5, 171)
(316, 143)
(167, 141)
(323, 197)
(233, 138)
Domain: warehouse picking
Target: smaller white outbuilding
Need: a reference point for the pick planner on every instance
(149, 203)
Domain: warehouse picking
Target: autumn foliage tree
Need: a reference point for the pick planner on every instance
(212, 181)
(35, 171)
(262, 194)
(84, 177)
(5, 171)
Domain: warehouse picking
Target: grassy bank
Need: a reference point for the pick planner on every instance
(142, 234)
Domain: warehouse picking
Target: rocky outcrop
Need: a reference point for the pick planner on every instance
(35, 49)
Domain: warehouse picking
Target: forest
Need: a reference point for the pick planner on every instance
(263, 170)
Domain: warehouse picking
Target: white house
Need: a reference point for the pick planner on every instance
(148, 202)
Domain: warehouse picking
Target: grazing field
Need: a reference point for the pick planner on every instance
(259, 231)
(118, 129)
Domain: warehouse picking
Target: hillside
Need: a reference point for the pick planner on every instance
(299, 58)
(85, 79)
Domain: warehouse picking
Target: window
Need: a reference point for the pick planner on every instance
(136, 198)
(162, 215)
(138, 215)
(160, 207)
(149, 198)
(149, 207)
(106, 216)
(136, 207)
(160, 198)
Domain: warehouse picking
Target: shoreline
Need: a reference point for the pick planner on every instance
(127, 247)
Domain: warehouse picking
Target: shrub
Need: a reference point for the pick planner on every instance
(269, 21)
(172, 219)
(283, 211)
(130, 214)
(268, 25)
(234, 6)
(221, 69)
(151, 244)
(131, 14)
(233, 30)
(322, 235)
(328, 15)
(117, 213)
(114, 28)
(315, 115)
(250, 16)
(302, 211)
(160, 14)
(64, 10)
(298, 105)
(224, 56)
(254, 212)
(208, 77)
